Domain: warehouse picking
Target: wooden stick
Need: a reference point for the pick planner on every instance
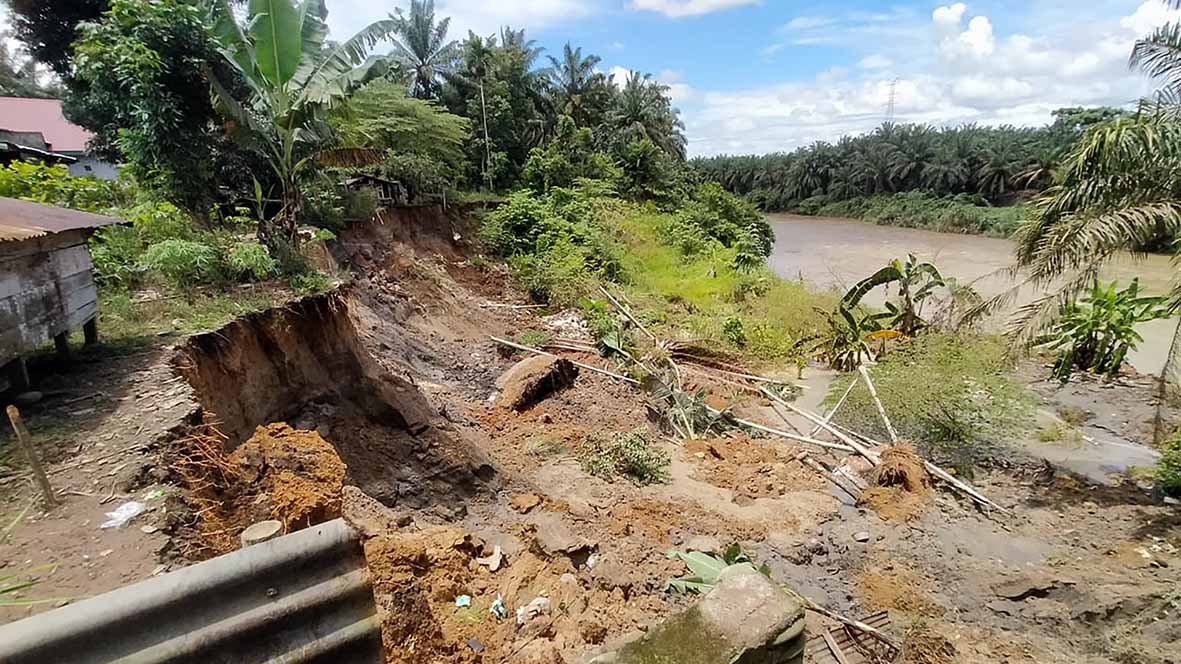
(22, 437)
(783, 416)
(852, 444)
(832, 413)
(588, 367)
(834, 648)
(827, 475)
(878, 402)
(783, 434)
(627, 312)
(848, 622)
(498, 305)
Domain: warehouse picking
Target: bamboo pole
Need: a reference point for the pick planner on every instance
(848, 441)
(26, 444)
(878, 402)
(627, 312)
(832, 413)
(783, 434)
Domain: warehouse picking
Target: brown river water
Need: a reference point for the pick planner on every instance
(836, 253)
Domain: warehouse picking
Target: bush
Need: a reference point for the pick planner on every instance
(632, 455)
(185, 263)
(568, 157)
(1168, 468)
(251, 261)
(915, 209)
(714, 215)
(949, 394)
(53, 185)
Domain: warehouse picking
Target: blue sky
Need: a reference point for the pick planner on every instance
(766, 75)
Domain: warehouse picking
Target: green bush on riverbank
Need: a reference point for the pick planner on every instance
(948, 214)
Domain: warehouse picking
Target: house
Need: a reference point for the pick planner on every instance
(390, 193)
(47, 284)
(28, 118)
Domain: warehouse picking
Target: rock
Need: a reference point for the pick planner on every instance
(703, 544)
(861, 536)
(610, 574)
(745, 618)
(525, 502)
(533, 380)
(1027, 585)
(554, 537)
(261, 532)
(368, 516)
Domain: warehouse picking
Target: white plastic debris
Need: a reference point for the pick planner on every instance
(124, 513)
(538, 607)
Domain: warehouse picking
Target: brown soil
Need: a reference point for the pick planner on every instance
(894, 586)
(901, 486)
(752, 469)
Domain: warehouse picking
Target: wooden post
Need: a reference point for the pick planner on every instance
(22, 438)
(62, 343)
(18, 374)
(878, 402)
(90, 330)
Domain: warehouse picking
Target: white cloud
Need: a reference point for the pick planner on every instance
(952, 67)
(876, 61)
(1149, 16)
(808, 22)
(683, 8)
(619, 75)
(771, 50)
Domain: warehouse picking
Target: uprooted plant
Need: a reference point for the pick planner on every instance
(632, 455)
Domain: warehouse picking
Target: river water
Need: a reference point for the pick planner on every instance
(836, 253)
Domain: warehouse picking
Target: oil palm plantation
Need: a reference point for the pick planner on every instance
(642, 110)
(579, 91)
(292, 78)
(421, 46)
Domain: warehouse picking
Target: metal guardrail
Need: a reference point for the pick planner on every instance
(305, 597)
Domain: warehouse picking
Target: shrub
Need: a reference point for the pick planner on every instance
(185, 263)
(251, 261)
(950, 394)
(1168, 468)
(116, 252)
(311, 283)
(53, 185)
(714, 214)
(734, 331)
(916, 209)
(632, 455)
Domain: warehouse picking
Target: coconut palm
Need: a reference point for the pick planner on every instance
(420, 44)
(293, 78)
(478, 55)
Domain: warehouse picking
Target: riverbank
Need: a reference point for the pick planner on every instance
(964, 214)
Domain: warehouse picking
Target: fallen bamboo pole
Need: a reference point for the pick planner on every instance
(783, 434)
(848, 622)
(627, 312)
(832, 413)
(26, 444)
(852, 444)
(582, 365)
(878, 402)
(828, 475)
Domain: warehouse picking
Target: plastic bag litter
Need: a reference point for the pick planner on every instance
(497, 609)
(124, 513)
(463, 600)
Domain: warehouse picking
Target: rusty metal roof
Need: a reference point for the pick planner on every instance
(21, 220)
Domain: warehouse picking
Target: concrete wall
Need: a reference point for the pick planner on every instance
(46, 288)
(93, 167)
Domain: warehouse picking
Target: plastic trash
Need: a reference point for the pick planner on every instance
(124, 513)
(497, 609)
(154, 494)
(538, 607)
(463, 600)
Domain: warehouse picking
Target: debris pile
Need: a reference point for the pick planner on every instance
(900, 487)
(292, 476)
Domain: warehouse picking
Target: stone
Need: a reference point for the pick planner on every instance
(1026, 585)
(533, 380)
(554, 537)
(27, 398)
(703, 544)
(861, 536)
(610, 574)
(745, 619)
(261, 532)
(525, 502)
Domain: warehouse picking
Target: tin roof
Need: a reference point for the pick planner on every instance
(21, 220)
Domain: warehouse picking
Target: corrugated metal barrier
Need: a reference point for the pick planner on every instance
(305, 597)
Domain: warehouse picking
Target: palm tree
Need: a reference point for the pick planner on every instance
(946, 173)
(421, 45)
(642, 110)
(1118, 189)
(293, 78)
(477, 61)
(576, 84)
(995, 176)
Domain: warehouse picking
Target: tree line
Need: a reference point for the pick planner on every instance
(216, 104)
(991, 163)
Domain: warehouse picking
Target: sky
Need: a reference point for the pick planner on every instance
(758, 76)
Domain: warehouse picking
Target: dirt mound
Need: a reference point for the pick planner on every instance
(900, 485)
(751, 469)
(298, 470)
(923, 645)
(532, 380)
(280, 473)
(893, 586)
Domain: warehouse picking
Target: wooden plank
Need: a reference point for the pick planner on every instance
(31, 271)
(39, 245)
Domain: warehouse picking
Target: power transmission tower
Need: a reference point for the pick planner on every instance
(890, 108)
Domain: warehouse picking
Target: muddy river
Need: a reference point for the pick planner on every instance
(838, 252)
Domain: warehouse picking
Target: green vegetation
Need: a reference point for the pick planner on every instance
(1096, 333)
(706, 568)
(631, 455)
(53, 185)
(1168, 469)
(961, 213)
(951, 394)
(985, 164)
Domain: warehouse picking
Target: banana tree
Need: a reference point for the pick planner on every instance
(916, 281)
(292, 77)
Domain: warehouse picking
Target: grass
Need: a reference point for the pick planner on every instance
(135, 320)
(1059, 434)
(632, 455)
(694, 297)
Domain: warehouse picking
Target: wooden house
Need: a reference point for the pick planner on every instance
(47, 284)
